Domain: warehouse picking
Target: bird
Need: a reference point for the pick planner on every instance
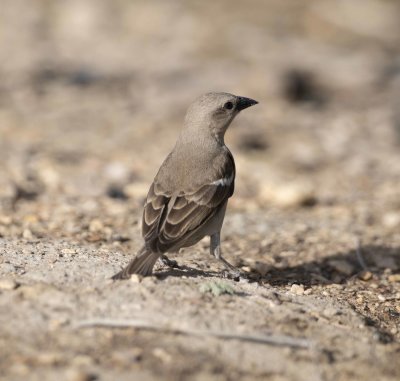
(188, 197)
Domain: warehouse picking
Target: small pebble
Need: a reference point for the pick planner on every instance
(394, 278)
(8, 284)
(68, 251)
(365, 275)
(96, 226)
(137, 190)
(381, 298)
(5, 220)
(391, 219)
(297, 289)
(288, 195)
(163, 355)
(79, 375)
(136, 278)
(27, 234)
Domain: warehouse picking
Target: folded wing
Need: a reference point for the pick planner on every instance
(170, 218)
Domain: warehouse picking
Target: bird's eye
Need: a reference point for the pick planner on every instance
(228, 105)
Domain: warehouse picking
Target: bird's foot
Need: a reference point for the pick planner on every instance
(169, 262)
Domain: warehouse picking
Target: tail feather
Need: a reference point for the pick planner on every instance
(142, 264)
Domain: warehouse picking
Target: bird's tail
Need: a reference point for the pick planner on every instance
(142, 264)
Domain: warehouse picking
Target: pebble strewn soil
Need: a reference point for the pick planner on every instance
(92, 97)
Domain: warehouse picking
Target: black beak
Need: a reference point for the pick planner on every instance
(244, 103)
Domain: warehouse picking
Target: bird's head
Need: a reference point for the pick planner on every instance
(214, 112)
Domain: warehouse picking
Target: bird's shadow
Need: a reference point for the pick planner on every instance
(364, 262)
(370, 260)
(338, 268)
(334, 269)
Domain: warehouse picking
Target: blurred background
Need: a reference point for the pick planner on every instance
(93, 94)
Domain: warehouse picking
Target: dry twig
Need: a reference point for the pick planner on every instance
(277, 340)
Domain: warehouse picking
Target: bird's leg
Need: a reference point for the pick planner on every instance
(169, 262)
(215, 249)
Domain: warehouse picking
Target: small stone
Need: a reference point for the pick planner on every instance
(80, 375)
(117, 172)
(391, 219)
(27, 234)
(136, 278)
(94, 237)
(365, 275)
(163, 355)
(381, 298)
(308, 291)
(288, 195)
(5, 220)
(116, 192)
(394, 278)
(68, 251)
(8, 284)
(247, 269)
(49, 176)
(136, 190)
(297, 289)
(96, 226)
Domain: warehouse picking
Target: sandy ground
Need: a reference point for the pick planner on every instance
(92, 97)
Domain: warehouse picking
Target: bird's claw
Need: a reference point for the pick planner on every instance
(170, 262)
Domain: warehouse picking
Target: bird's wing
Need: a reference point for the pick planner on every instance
(170, 218)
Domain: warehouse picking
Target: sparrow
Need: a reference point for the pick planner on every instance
(188, 197)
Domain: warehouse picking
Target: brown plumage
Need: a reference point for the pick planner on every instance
(189, 194)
